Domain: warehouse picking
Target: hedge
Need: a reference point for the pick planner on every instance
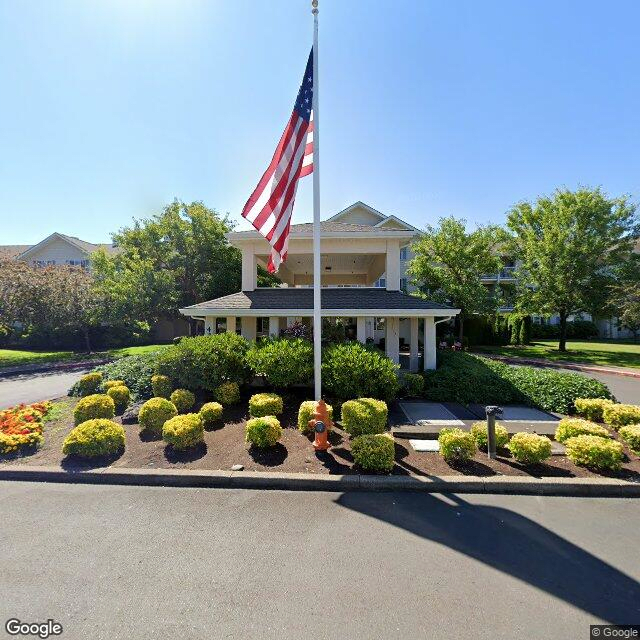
(265, 404)
(591, 408)
(595, 452)
(282, 362)
(374, 452)
(183, 431)
(263, 432)
(120, 396)
(210, 412)
(618, 415)
(529, 448)
(98, 405)
(456, 445)
(154, 413)
(90, 383)
(135, 371)
(364, 416)
(631, 435)
(182, 399)
(571, 427)
(92, 438)
(479, 430)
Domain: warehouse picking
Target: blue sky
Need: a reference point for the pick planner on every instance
(111, 108)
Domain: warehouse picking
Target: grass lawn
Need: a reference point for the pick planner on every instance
(15, 357)
(612, 353)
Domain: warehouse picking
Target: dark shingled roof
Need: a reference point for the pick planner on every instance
(302, 299)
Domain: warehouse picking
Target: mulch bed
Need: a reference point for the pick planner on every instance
(224, 446)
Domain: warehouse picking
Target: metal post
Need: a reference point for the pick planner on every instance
(492, 412)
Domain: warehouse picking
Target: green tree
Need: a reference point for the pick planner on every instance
(449, 263)
(569, 246)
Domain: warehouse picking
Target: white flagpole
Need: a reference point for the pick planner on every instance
(317, 302)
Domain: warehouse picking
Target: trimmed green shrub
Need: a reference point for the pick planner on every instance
(591, 408)
(480, 433)
(90, 383)
(352, 370)
(265, 404)
(120, 396)
(263, 432)
(98, 405)
(595, 452)
(529, 448)
(135, 371)
(161, 386)
(210, 413)
(205, 362)
(374, 452)
(571, 427)
(618, 415)
(413, 384)
(456, 445)
(184, 431)
(282, 361)
(154, 413)
(364, 416)
(112, 383)
(305, 413)
(96, 437)
(227, 393)
(630, 433)
(183, 400)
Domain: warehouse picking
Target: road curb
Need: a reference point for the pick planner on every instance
(586, 487)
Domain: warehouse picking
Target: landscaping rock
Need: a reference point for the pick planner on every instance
(237, 467)
(130, 416)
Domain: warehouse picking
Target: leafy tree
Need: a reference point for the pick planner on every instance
(569, 246)
(449, 263)
(627, 302)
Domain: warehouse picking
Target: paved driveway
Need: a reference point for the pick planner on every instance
(624, 388)
(33, 387)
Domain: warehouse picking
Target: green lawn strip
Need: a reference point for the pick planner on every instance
(605, 353)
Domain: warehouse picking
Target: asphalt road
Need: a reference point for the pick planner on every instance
(145, 562)
(33, 387)
(624, 388)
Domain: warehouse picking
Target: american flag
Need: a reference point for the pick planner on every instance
(270, 206)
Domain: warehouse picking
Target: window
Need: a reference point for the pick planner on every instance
(403, 284)
(378, 324)
(262, 326)
(50, 263)
(381, 283)
(403, 253)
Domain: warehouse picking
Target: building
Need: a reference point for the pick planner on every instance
(362, 270)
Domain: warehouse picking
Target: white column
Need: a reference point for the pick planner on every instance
(393, 265)
(361, 329)
(249, 269)
(429, 344)
(248, 327)
(274, 326)
(414, 363)
(231, 324)
(392, 339)
(209, 325)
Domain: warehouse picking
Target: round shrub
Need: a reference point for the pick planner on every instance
(96, 437)
(413, 384)
(184, 431)
(227, 393)
(595, 452)
(374, 452)
(630, 433)
(529, 448)
(456, 445)
(618, 415)
(183, 400)
(591, 408)
(571, 427)
(480, 434)
(210, 413)
(364, 416)
(154, 413)
(265, 404)
(352, 370)
(120, 396)
(282, 362)
(98, 405)
(113, 383)
(90, 383)
(263, 432)
(161, 386)
(305, 413)
(135, 371)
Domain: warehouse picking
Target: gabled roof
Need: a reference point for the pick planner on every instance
(9, 251)
(382, 218)
(82, 245)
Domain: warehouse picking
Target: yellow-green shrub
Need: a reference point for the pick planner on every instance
(161, 386)
(120, 396)
(529, 448)
(183, 400)
(595, 452)
(364, 416)
(97, 437)
(183, 431)
(210, 413)
(617, 415)
(374, 452)
(113, 383)
(591, 408)
(305, 413)
(456, 445)
(98, 405)
(90, 383)
(571, 427)
(265, 404)
(630, 433)
(227, 393)
(263, 432)
(155, 412)
(479, 432)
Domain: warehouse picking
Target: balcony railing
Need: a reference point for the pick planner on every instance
(506, 273)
